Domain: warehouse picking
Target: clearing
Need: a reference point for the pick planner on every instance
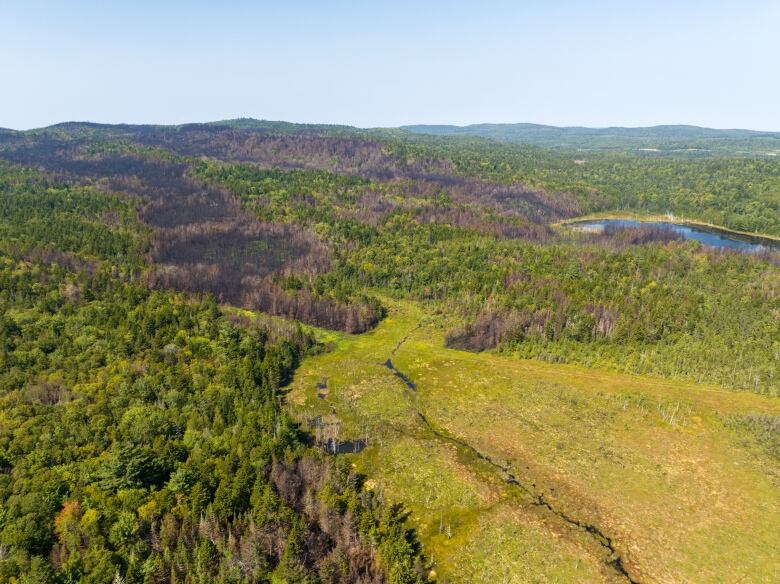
(517, 471)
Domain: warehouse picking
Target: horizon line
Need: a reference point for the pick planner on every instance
(399, 127)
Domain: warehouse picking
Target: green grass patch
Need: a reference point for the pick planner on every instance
(656, 465)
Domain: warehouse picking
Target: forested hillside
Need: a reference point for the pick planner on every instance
(154, 282)
(142, 438)
(306, 221)
(738, 192)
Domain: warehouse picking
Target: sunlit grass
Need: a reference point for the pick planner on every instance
(685, 494)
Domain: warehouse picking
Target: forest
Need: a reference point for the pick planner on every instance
(305, 221)
(142, 438)
(144, 433)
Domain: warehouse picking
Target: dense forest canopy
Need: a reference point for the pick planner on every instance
(142, 432)
(735, 186)
(736, 192)
(142, 438)
(305, 221)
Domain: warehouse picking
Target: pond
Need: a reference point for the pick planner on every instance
(709, 236)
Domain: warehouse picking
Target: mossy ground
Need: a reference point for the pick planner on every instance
(657, 466)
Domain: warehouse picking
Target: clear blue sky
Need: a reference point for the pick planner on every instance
(372, 63)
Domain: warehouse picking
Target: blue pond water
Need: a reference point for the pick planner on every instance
(705, 235)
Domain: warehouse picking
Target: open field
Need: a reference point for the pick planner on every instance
(523, 471)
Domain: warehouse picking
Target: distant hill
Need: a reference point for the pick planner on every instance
(662, 138)
(92, 130)
(278, 126)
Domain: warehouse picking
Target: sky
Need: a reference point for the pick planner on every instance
(373, 63)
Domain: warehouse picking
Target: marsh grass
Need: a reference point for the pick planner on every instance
(686, 493)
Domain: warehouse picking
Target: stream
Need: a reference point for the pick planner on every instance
(613, 560)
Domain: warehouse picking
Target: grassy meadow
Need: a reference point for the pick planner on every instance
(678, 481)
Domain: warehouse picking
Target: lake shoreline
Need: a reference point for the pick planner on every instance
(671, 219)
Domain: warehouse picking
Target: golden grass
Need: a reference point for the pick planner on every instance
(653, 464)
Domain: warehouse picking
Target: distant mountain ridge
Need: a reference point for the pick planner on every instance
(665, 137)
(86, 129)
(659, 130)
(676, 140)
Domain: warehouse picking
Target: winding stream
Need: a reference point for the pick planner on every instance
(613, 560)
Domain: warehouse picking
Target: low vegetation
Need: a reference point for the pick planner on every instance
(512, 458)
